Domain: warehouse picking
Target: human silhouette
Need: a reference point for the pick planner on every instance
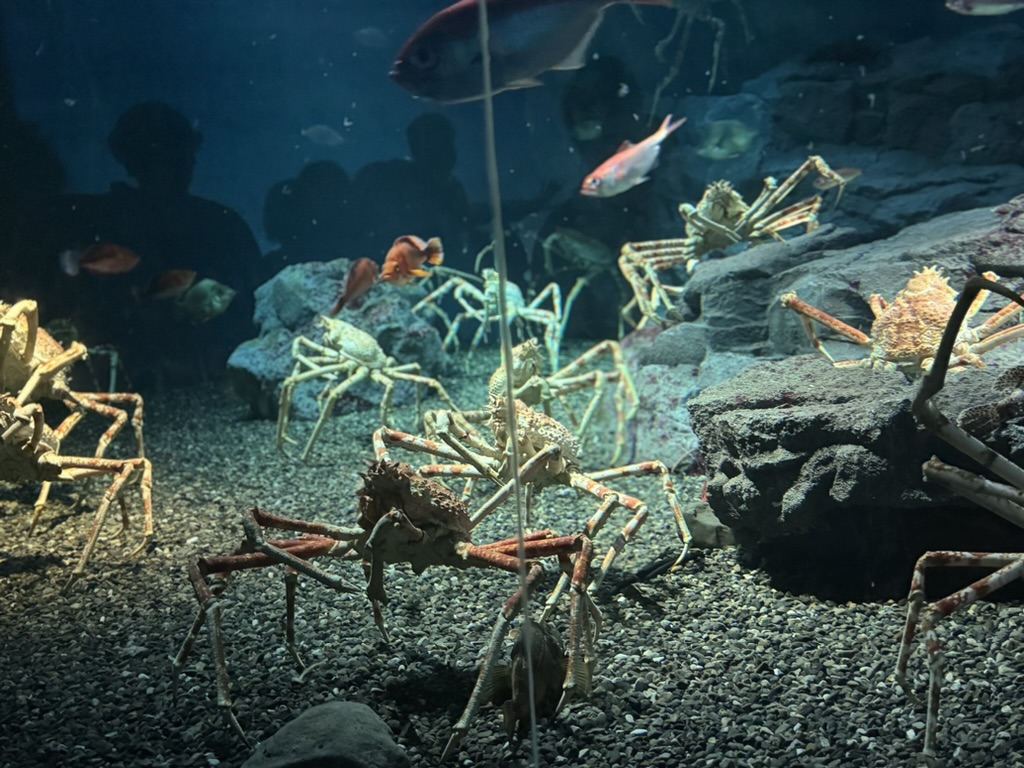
(421, 195)
(308, 216)
(169, 229)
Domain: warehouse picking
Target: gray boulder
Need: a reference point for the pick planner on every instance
(338, 734)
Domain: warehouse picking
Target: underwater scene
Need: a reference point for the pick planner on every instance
(512, 383)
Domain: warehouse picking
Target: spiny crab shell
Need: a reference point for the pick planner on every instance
(908, 330)
(431, 507)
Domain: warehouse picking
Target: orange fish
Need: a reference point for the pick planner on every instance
(630, 165)
(100, 259)
(360, 279)
(171, 284)
(848, 175)
(406, 257)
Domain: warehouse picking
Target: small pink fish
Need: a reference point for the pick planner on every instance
(99, 259)
(630, 165)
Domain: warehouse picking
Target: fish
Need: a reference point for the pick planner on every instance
(206, 300)
(361, 278)
(726, 140)
(99, 259)
(171, 284)
(984, 7)
(849, 174)
(406, 257)
(630, 165)
(442, 60)
(323, 134)
(370, 37)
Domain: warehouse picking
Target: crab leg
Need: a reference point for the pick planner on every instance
(1010, 568)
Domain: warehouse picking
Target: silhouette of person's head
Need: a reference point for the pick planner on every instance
(157, 146)
(431, 138)
(308, 214)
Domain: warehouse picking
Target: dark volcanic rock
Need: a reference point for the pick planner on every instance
(818, 472)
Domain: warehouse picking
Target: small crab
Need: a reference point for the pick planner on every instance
(535, 389)
(721, 219)
(905, 334)
(345, 351)
(482, 306)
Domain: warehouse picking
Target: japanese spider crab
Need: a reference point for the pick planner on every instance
(539, 438)
(403, 518)
(535, 389)
(35, 366)
(906, 333)
(1007, 501)
(721, 219)
(481, 305)
(687, 12)
(345, 351)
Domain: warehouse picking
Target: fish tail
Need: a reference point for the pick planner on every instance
(667, 126)
(68, 261)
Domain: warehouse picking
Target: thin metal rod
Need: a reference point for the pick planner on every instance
(501, 266)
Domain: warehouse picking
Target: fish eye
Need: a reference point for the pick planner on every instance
(423, 57)
(594, 183)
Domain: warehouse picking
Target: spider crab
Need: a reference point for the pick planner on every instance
(906, 333)
(481, 305)
(687, 12)
(345, 351)
(403, 518)
(1007, 501)
(35, 366)
(535, 389)
(721, 219)
(541, 440)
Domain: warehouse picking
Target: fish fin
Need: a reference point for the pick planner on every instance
(667, 126)
(577, 58)
(526, 82)
(624, 146)
(419, 272)
(498, 686)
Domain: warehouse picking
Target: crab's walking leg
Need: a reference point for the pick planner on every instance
(501, 626)
(1010, 568)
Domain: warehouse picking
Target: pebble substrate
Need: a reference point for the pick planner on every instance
(706, 666)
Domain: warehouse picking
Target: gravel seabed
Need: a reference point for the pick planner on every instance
(705, 666)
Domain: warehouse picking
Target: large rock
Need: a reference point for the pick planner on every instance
(338, 734)
(817, 470)
(733, 317)
(288, 305)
